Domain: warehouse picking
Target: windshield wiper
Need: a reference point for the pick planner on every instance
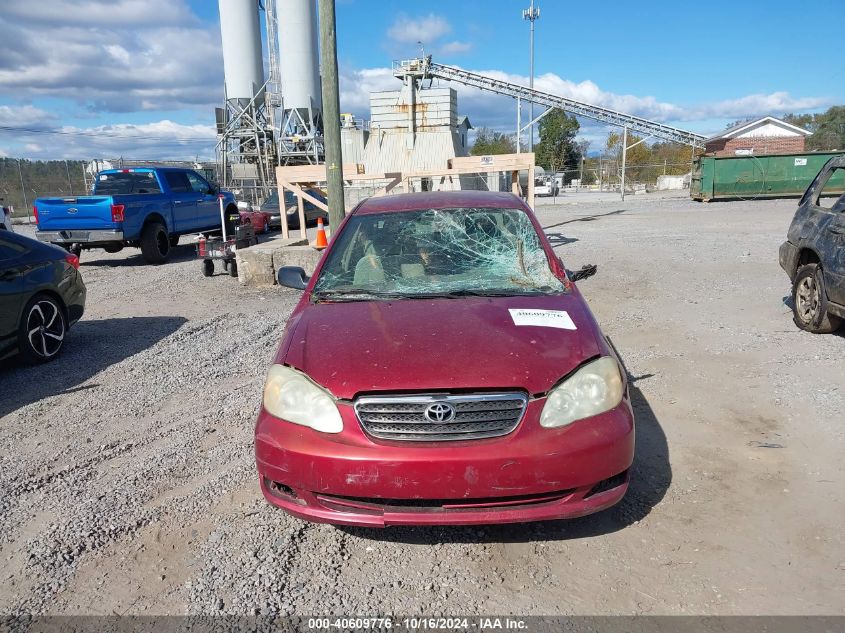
(499, 292)
(354, 294)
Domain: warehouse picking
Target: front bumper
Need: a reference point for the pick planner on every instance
(788, 256)
(80, 237)
(533, 474)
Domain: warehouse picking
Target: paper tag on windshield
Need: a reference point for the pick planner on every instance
(542, 318)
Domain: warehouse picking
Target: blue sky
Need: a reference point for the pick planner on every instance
(140, 78)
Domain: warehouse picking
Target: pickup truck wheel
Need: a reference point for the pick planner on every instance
(155, 243)
(809, 302)
(174, 241)
(207, 267)
(42, 329)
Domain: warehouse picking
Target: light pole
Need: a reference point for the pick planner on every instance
(531, 14)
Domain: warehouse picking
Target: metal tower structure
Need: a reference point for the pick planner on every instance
(424, 68)
(531, 14)
(246, 147)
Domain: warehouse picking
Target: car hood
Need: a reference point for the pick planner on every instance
(438, 344)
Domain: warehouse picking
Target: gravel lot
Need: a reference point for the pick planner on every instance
(127, 482)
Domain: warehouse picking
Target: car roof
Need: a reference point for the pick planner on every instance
(439, 200)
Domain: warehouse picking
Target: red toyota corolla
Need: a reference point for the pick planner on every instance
(441, 368)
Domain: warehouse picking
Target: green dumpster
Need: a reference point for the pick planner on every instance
(768, 176)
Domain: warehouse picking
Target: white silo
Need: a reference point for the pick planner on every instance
(298, 56)
(243, 65)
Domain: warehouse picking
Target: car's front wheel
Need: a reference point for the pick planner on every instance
(42, 329)
(809, 302)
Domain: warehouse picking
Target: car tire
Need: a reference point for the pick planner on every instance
(809, 302)
(207, 267)
(42, 329)
(155, 243)
(174, 241)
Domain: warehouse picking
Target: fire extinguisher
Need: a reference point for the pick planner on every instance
(202, 248)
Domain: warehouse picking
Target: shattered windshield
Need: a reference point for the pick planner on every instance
(437, 252)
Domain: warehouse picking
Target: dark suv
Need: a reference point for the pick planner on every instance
(814, 253)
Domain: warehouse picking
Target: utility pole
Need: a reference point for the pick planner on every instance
(624, 156)
(518, 122)
(331, 113)
(581, 176)
(531, 14)
(69, 183)
(23, 191)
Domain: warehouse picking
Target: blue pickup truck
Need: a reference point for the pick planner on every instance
(146, 207)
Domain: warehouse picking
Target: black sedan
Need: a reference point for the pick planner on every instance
(312, 211)
(41, 296)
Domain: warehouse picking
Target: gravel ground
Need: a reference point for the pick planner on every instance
(127, 482)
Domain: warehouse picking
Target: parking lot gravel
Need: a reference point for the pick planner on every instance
(127, 483)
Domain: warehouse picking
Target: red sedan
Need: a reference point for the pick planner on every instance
(441, 368)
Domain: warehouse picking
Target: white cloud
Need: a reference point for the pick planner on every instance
(425, 29)
(758, 104)
(24, 116)
(154, 140)
(119, 56)
(117, 13)
(454, 48)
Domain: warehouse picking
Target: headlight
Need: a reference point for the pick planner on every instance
(291, 396)
(593, 389)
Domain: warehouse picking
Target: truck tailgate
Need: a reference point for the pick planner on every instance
(87, 212)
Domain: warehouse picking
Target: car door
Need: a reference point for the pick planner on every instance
(208, 207)
(828, 204)
(184, 201)
(12, 268)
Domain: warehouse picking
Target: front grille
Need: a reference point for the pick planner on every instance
(464, 417)
(350, 504)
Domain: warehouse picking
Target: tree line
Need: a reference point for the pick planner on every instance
(23, 180)
(559, 151)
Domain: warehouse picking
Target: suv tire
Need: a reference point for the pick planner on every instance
(809, 302)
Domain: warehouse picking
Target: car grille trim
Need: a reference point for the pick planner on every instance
(476, 416)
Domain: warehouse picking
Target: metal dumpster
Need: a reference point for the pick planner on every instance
(767, 176)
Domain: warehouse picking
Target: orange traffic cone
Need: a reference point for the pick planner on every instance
(321, 241)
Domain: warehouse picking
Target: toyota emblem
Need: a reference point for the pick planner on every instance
(439, 412)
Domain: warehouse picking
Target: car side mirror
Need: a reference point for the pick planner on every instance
(587, 270)
(293, 277)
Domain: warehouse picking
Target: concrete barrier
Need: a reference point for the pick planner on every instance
(257, 265)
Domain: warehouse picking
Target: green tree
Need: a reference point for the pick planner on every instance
(489, 141)
(828, 128)
(557, 149)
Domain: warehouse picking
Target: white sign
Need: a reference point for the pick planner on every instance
(799, 162)
(744, 151)
(542, 318)
(486, 160)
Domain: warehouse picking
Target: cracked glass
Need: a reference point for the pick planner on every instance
(437, 252)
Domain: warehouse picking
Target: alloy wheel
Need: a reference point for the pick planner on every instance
(45, 328)
(807, 299)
